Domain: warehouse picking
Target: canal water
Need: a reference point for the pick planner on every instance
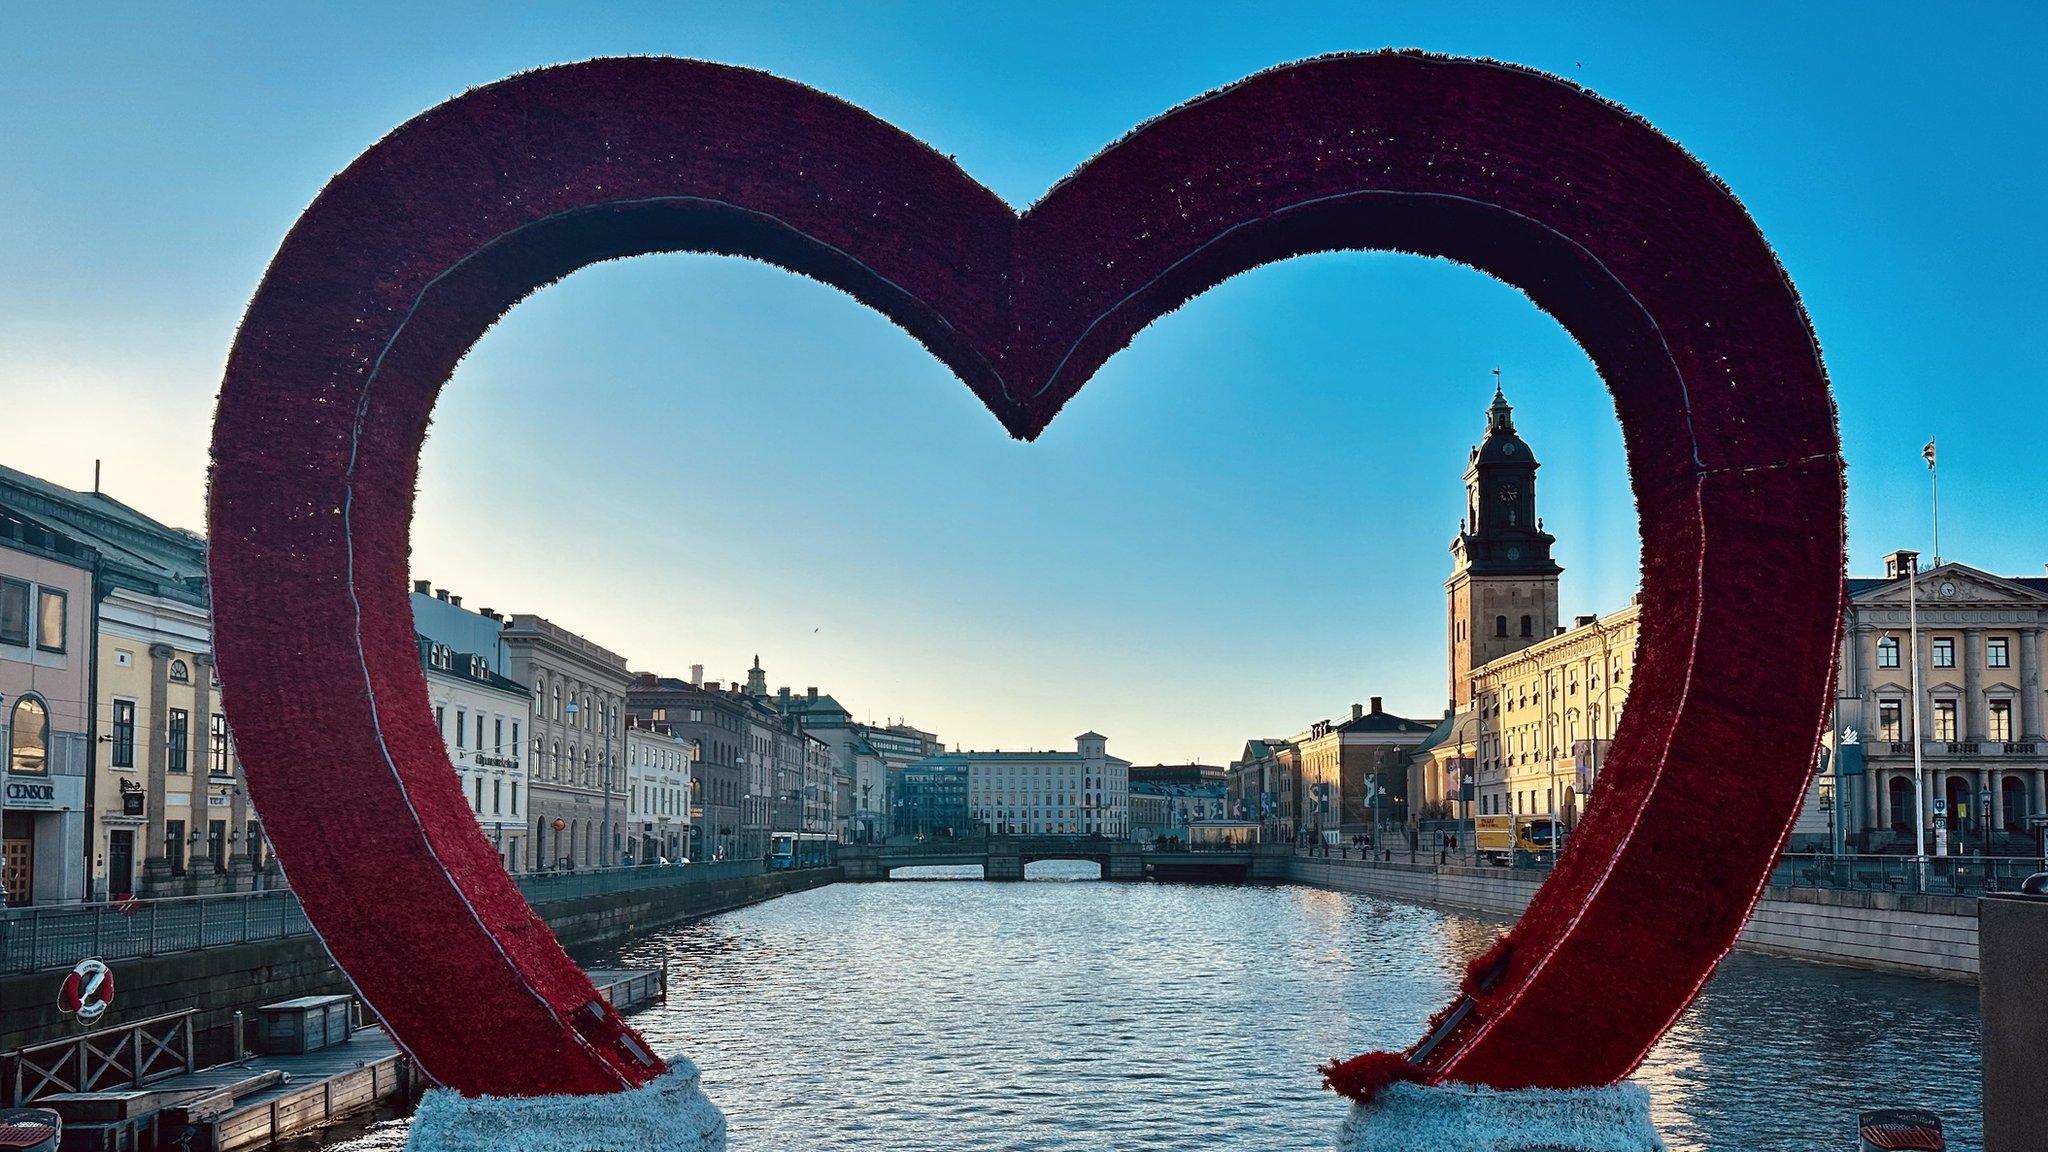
(1073, 1015)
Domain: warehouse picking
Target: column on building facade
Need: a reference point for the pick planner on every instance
(2030, 686)
(1976, 711)
(199, 762)
(156, 865)
(1995, 781)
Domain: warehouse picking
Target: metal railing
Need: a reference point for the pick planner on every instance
(46, 937)
(1927, 876)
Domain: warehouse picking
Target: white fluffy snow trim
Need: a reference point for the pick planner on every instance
(1464, 1118)
(670, 1115)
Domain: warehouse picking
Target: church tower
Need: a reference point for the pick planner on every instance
(1503, 585)
(757, 680)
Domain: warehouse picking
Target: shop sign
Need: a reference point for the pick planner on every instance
(31, 794)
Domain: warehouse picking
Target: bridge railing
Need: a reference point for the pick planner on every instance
(52, 936)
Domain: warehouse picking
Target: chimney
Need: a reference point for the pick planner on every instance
(697, 675)
(1375, 705)
(811, 693)
(1358, 711)
(422, 587)
(455, 600)
(441, 594)
(711, 687)
(1582, 621)
(488, 613)
(782, 694)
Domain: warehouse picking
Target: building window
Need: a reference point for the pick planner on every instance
(217, 843)
(480, 732)
(1888, 723)
(180, 674)
(461, 728)
(123, 751)
(515, 798)
(1888, 652)
(217, 746)
(1528, 626)
(50, 620)
(1944, 652)
(28, 742)
(2000, 728)
(174, 846)
(441, 721)
(497, 797)
(13, 612)
(1500, 626)
(177, 740)
(254, 848)
(1945, 720)
(1997, 653)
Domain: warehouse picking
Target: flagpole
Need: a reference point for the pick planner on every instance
(1934, 486)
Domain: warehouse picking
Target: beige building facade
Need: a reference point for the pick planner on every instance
(1982, 736)
(577, 800)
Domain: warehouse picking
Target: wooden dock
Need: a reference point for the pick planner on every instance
(257, 1101)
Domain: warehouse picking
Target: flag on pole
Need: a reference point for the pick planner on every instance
(1927, 454)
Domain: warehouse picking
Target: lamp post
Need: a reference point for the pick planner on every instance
(1910, 562)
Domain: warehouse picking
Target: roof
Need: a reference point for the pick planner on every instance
(1384, 722)
(135, 551)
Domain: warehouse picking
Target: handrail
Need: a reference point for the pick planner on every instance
(55, 936)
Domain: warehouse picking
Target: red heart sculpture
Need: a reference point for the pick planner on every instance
(409, 255)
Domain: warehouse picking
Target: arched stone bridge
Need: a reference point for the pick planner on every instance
(1000, 857)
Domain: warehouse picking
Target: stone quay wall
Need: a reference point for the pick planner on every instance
(242, 977)
(1933, 936)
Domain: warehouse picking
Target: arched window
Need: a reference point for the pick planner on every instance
(180, 674)
(1528, 626)
(28, 742)
(1500, 626)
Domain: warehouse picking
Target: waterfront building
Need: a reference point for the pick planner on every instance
(1264, 787)
(855, 771)
(1166, 810)
(576, 803)
(1532, 706)
(658, 792)
(164, 812)
(1982, 734)
(1354, 772)
(45, 711)
(481, 713)
(716, 721)
(1085, 792)
(931, 798)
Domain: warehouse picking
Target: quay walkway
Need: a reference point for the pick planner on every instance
(55, 936)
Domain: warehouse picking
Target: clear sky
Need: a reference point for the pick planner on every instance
(1238, 527)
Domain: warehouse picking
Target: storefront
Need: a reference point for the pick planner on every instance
(42, 815)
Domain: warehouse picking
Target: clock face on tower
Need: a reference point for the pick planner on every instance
(1509, 493)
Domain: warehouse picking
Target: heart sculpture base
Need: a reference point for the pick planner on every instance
(1464, 1118)
(672, 1114)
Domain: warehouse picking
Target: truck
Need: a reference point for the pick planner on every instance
(1504, 837)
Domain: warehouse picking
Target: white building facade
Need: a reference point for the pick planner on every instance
(658, 767)
(482, 717)
(1085, 792)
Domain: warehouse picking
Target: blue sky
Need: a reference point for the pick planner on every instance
(1238, 527)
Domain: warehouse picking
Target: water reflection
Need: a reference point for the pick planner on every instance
(1088, 1015)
